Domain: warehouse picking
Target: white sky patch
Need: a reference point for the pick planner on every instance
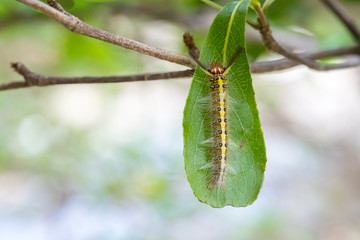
(35, 135)
(77, 106)
(321, 102)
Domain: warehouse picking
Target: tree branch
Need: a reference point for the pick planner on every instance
(285, 63)
(273, 45)
(35, 79)
(75, 25)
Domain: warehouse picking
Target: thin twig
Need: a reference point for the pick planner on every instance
(192, 49)
(191, 46)
(285, 63)
(35, 79)
(77, 26)
(273, 45)
(344, 18)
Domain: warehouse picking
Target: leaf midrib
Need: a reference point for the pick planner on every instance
(228, 31)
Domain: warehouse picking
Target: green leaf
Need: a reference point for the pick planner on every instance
(247, 157)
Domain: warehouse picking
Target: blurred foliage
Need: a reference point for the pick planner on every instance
(36, 140)
(68, 54)
(71, 55)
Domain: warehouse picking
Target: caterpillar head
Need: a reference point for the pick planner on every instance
(216, 69)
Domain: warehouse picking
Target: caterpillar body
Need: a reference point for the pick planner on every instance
(218, 97)
(219, 121)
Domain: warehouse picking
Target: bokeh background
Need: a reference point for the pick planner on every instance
(88, 162)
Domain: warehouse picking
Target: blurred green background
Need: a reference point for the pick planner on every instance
(105, 161)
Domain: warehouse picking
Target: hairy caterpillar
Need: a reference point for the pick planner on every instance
(237, 179)
(219, 122)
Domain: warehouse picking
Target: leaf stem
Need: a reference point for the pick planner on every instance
(212, 4)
